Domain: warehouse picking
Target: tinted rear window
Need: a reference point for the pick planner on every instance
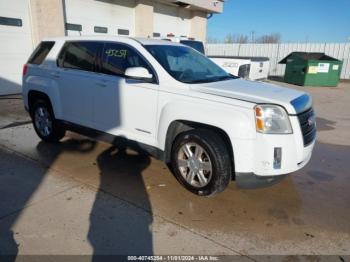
(40, 53)
(79, 55)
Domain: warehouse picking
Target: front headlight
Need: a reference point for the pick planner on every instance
(272, 119)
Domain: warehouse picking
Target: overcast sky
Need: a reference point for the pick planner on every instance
(295, 20)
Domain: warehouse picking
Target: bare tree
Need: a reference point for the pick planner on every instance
(212, 40)
(241, 39)
(244, 39)
(238, 38)
(229, 39)
(270, 38)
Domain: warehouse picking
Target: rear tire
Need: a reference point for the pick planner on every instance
(45, 124)
(201, 162)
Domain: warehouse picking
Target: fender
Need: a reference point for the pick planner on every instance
(237, 122)
(47, 86)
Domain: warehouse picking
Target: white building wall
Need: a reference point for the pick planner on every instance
(16, 45)
(171, 19)
(117, 14)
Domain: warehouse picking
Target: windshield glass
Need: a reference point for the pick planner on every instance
(187, 65)
(194, 44)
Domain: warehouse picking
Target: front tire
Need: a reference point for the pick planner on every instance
(201, 162)
(44, 122)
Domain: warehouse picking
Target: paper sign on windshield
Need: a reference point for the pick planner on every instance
(117, 53)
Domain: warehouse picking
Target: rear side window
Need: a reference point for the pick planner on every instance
(40, 53)
(116, 58)
(79, 55)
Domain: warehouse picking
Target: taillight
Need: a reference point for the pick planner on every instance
(25, 68)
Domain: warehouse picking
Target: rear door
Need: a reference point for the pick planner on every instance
(76, 76)
(124, 106)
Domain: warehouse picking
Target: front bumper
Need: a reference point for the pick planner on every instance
(257, 156)
(252, 181)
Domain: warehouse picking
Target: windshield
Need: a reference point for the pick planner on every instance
(187, 65)
(194, 44)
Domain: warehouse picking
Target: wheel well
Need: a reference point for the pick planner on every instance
(179, 126)
(36, 95)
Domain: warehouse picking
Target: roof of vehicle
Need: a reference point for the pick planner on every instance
(143, 41)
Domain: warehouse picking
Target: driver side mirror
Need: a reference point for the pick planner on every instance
(138, 73)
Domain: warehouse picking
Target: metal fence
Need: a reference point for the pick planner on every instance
(276, 52)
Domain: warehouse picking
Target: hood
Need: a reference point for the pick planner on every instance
(293, 101)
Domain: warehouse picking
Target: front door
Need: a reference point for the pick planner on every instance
(123, 106)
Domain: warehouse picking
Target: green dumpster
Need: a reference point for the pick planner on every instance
(311, 69)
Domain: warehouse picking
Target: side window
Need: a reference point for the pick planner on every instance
(40, 53)
(116, 58)
(10, 21)
(74, 27)
(123, 32)
(79, 55)
(100, 29)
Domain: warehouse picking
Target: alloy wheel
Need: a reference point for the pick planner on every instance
(43, 121)
(194, 164)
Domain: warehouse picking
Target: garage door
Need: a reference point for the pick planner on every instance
(171, 19)
(89, 17)
(15, 43)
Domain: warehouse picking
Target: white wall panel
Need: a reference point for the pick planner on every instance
(15, 45)
(171, 19)
(113, 14)
(276, 52)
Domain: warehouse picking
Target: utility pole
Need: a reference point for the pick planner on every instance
(253, 36)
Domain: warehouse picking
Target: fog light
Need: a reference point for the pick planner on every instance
(277, 158)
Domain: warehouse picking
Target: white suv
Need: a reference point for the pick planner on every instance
(173, 102)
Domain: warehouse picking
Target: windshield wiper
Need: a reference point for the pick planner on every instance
(210, 80)
(223, 78)
(199, 81)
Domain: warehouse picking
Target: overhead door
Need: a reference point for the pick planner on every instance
(171, 19)
(89, 17)
(15, 43)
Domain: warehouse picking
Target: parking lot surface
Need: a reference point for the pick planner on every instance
(86, 197)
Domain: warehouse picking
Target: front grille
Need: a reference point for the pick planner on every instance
(308, 126)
